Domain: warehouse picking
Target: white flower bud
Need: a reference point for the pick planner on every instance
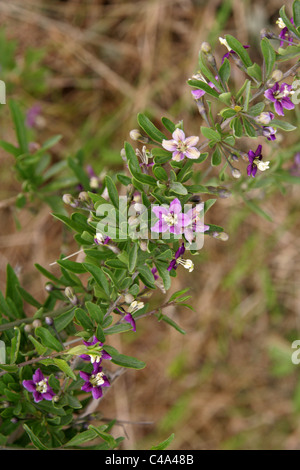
(262, 166)
(236, 173)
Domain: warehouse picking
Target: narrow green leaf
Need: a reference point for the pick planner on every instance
(132, 260)
(169, 125)
(34, 439)
(15, 345)
(150, 129)
(164, 444)
(99, 276)
(172, 323)
(296, 13)
(48, 339)
(269, 55)
(83, 318)
(237, 47)
(203, 86)
(64, 366)
(112, 191)
(19, 123)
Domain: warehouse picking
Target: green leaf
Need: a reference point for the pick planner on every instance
(216, 157)
(95, 312)
(28, 298)
(105, 436)
(224, 70)
(203, 86)
(287, 21)
(164, 444)
(63, 320)
(132, 159)
(206, 71)
(286, 126)
(146, 276)
(10, 148)
(208, 204)
(210, 134)
(64, 366)
(40, 349)
(150, 129)
(83, 318)
(160, 173)
(79, 172)
(269, 55)
(296, 13)
(99, 277)
(48, 339)
(15, 345)
(34, 439)
(81, 438)
(255, 72)
(12, 283)
(178, 188)
(178, 294)
(72, 266)
(225, 98)
(132, 259)
(237, 47)
(172, 323)
(19, 123)
(169, 125)
(112, 191)
(249, 129)
(124, 361)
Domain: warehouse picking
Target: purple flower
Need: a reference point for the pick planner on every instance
(39, 387)
(255, 162)
(32, 115)
(279, 95)
(285, 34)
(95, 357)
(197, 94)
(94, 381)
(171, 219)
(99, 239)
(179, 252)
(129, 318)
(265, 118)
(182, 146)
(196, 225)
(269, 132)
(154, 271)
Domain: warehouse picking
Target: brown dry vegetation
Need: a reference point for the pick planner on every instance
(229, 382)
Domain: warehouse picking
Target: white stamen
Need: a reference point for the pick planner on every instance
(187, 264)
(42, 386)
(262, 166)
(225, 43)
(97, 380)
(280, 23)
(170, 219)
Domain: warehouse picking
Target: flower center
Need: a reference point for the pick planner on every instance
(282, 94)
(181, 146)
(41, 386)
(171, 219)
(97, 380)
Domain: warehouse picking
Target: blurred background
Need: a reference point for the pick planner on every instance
(89, 67)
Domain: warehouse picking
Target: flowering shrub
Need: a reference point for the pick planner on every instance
(134, 230)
